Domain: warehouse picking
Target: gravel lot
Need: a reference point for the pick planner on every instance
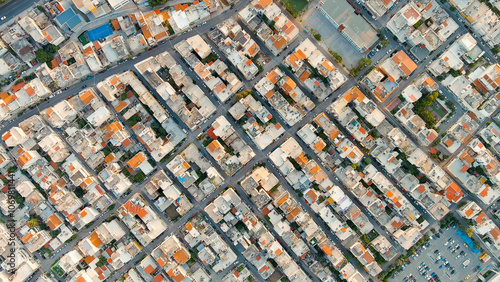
(428, 257)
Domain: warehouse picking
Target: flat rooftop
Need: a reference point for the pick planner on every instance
(355, 26)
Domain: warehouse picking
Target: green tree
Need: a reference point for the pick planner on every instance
(43, 56)
(337, 57)
(79, 192)
(469, 232)
(418, 24)
(243, 94)
(455, 73)
(385, 42)
(364, 63)
(316, 34)
(34, 222)
(428, 118)
(52, 48)
(271, 24)
(153, 3)
(102, 261)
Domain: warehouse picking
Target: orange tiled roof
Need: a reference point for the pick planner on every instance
(405, 63)
(181, 256)
(54, 222)
(87, 97)
(138, 159)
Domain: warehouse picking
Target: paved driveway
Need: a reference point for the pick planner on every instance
(332, 39)
(428, 257)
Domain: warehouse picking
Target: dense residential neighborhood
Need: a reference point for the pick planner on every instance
(250, 140)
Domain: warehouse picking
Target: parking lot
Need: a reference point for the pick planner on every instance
(443, 256)
(332, 38)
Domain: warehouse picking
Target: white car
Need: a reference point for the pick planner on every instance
(3, 18)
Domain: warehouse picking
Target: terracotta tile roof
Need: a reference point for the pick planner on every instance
(95, 240)
(305, 75)
(480, 217)
(181, 256)
(405, 63)
(87, 97)
(137, 160)
(469, 212)
(354, 93)
(265, 3)
(149, 269)
(54, 222)
(327, 250)
(320, 145)
(18, 86)
(453, 192)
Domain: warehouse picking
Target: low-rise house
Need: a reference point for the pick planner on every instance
(172, 256)
(190, 104)
(491, 136)
(379, 7)
(424, 83)
(172, 199)
(137, 43)
(425, 26)
(384, 247)
(478, 170)
(284, 31)
(365, 257)
(464, 50)
(136, 214)
(9, 63)
(484, 21)
(314, 70)
(469, 210)
(407, 238)
(185, 16)
(96, 8)
(152, 25)
(213, 251)
(257, 121)
(237, 46)
(227, 148)
(26, 265)
(383, 79)
(353, 111)
(285, 96)
(210, 69)
(114, 49)
(460, 132)
(25, 50)
(195, 172)
(38, 26)
(416, 124)
(33, 239)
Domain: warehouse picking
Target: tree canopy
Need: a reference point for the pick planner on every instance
(43, 56)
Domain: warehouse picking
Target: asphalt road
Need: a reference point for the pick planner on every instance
(12, 8)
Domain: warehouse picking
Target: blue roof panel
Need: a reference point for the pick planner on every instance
(100, 32)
